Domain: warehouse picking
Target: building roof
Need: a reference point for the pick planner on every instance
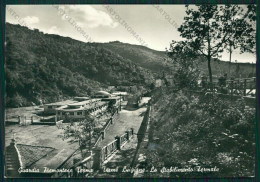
(80, 103)
(29, 154)
(81, 98)
(119, 93)
(66, 102)
(84, 102)
(66, 109)
(86, 107)
(41, 146)
(102, 93)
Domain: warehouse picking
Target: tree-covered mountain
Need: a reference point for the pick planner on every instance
(46, 67)
(43, 67)
(158, 61)
(153, 60)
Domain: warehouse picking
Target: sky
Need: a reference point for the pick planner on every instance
(153, 26)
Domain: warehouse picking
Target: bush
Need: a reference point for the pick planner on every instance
(16, 101)
(205, 129)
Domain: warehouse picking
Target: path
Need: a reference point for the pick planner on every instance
(122, 122)
(123, 158)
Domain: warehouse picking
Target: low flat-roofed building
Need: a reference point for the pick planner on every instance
(80, 109)
(51, 107)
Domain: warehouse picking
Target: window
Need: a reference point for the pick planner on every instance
(49, 107)
(72, 113)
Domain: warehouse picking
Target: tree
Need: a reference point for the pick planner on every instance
(152, 86)
(231, 20)
(248, 44)
(184, 57)
(240, 27)
(203, 29)
(82, 131)
(111, 109)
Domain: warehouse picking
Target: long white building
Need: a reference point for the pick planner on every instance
(80, 109)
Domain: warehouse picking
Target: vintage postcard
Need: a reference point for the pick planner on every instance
(130, 91)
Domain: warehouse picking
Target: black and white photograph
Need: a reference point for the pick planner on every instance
(130, 91)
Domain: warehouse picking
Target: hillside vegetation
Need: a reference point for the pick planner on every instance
(155, 61)
(50, 67)
(190, 130)
(43, 68)
(158, 61)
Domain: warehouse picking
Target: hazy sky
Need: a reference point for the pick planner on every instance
(149, 25)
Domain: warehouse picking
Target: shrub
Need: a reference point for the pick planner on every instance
(208, 130)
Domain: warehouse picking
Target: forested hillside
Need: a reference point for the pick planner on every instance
(45, 68)
(156, 61)
(50, 67)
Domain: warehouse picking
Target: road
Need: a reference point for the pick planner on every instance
(123, 121)
(122, 159)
